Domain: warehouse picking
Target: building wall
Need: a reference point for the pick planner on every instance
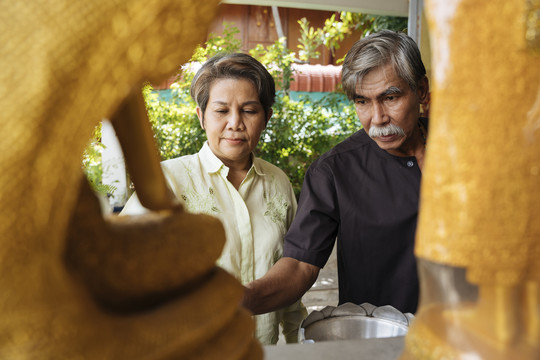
(257, 26)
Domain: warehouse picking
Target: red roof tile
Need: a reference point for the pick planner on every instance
(315, 78)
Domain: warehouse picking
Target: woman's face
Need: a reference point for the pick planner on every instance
(233, 121)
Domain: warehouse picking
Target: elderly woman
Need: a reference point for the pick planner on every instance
(253, 198)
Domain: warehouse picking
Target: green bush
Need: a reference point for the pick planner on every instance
(301, 131)
(92, 164)
(175, 123)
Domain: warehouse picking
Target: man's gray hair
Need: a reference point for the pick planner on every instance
(379, 49)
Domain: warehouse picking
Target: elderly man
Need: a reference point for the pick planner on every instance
(364, 192)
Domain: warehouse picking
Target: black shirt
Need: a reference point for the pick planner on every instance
(368, 199)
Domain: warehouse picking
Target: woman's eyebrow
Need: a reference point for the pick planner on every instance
(249, 102)
(219, 102)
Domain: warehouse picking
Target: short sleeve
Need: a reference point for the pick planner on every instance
(312, 234)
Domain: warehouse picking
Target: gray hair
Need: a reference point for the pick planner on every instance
(379, 49)
(233, 66)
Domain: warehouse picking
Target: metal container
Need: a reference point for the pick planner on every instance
(350, 321)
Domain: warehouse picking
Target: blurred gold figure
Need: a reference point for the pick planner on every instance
(478, 239)
(76, 285)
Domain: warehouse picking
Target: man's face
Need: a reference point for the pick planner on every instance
(389, 109)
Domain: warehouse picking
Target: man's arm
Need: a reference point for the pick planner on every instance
(282, 285)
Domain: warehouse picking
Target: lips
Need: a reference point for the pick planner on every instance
(235, 140)
(387, 137)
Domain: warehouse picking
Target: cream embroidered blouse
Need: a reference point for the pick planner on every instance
(256, 218)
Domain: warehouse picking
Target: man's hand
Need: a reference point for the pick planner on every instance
(282, 285)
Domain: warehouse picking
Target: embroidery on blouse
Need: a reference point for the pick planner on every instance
(276, 208)
(198, 203)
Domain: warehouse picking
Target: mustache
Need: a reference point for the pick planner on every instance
(390, 129)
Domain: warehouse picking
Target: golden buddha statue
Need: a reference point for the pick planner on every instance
(76, 284)
(478, 239)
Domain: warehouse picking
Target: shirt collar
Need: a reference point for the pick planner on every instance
(256, 165)
(212, 164)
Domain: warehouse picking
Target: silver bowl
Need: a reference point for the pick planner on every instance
(350, 321)
(353, 327)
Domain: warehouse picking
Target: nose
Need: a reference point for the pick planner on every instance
(235, 121)
(378, 116)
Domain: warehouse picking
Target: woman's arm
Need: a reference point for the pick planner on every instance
(282, 285)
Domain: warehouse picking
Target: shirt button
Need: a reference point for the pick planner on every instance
(410, 163)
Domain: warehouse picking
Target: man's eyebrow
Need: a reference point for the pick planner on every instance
(392, 90)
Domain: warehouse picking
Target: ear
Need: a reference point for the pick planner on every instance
(423, 90)
(270, 113)
(200, 115)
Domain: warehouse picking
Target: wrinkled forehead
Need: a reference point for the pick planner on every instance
(384, 76)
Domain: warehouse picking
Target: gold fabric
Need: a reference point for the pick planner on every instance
(480, 191)
(75, 285)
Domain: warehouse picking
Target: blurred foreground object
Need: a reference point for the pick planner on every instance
(478, 239)
(75, 284)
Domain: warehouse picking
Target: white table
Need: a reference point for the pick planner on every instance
(369, 349)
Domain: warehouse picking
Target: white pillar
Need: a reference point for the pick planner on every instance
(414, 26)
(114, 168)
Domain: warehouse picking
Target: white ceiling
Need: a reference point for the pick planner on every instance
(376, 7)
